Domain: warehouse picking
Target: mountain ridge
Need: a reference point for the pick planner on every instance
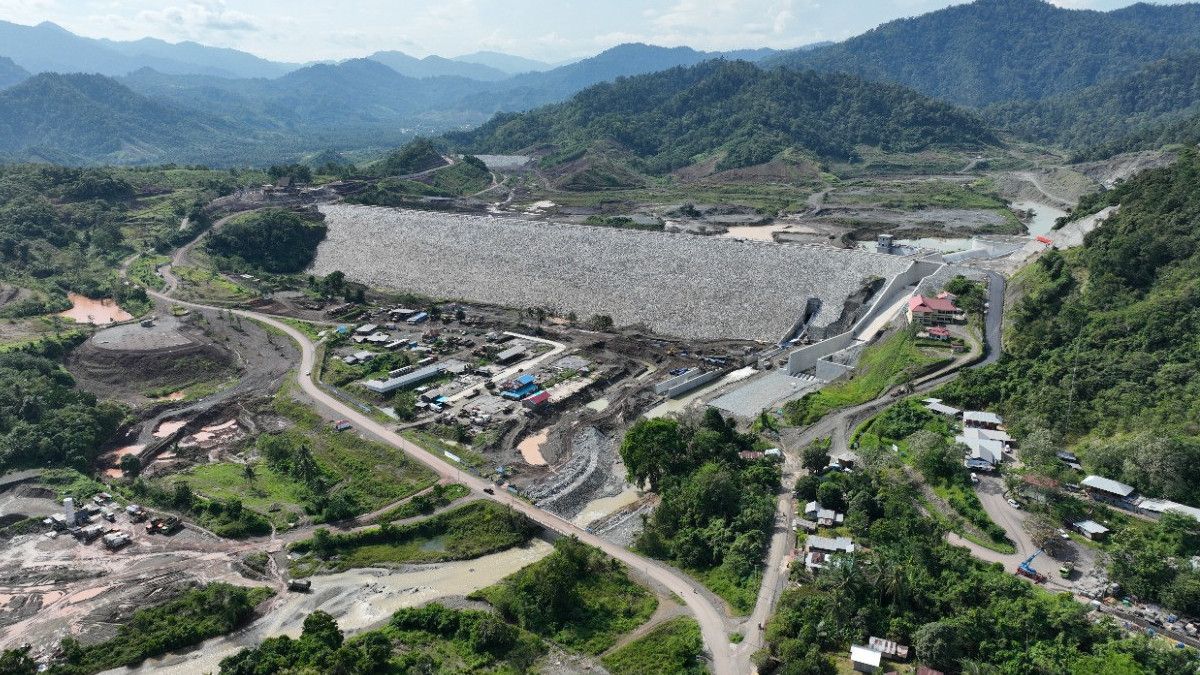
(990, 51)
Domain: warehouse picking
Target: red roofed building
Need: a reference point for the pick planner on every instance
(928, 311)
(539, 399)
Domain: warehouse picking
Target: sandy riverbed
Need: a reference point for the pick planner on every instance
(358, 599)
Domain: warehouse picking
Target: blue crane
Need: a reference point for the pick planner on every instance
(1025, 569)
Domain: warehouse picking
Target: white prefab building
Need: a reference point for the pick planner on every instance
(1161, 506)
(1091, 529)
(407, 380)
(982, 449)
(865, 659)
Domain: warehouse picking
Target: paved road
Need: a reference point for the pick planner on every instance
(713, 623)
(993, 321)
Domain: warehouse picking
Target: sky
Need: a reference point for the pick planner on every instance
(548, 30)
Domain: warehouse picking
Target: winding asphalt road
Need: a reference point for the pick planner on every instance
(713, 623)
(993, 320)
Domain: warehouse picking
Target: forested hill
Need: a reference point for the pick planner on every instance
(1159, 93)
(1003, 50)
(745, 114)
(10, 73)
(1103, 345)
(81, 118)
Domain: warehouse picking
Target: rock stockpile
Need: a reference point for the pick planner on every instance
(681, 285)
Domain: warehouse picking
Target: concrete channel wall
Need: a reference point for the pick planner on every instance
(806, 358)
(681, 384)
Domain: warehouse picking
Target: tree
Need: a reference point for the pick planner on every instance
(321, 628)
(649, 447)
(182, 496)
(130, 465)
(936, 459)
(937, 644)
(600, 322)
(248, 472)
(17, 662)
(806, 487)
(1043, 531)
(816, 455)
(830, 495)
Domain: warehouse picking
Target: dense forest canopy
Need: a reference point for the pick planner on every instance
(1103, 345)
(45, 421)
(747, 115)
(716, 508)
(60, 230)
(1159, 93)
(272, 240)
(1007, 50)
(419, 155)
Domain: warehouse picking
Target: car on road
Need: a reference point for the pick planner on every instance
(342, 425)
(1063, 534)
(490, 491)
(1013, 503)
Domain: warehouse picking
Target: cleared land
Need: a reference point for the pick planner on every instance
(688, 286)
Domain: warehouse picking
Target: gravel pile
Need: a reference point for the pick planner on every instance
(687, 286)
(582, 479)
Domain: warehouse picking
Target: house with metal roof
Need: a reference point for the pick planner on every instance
(982, 449)
(982, 420)
(824, 517)
(864, 659)
(511, 354)
(1090, 529)
(1161, 506)
(821, 549)
(1105, 487)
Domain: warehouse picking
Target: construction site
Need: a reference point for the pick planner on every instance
(558, 339)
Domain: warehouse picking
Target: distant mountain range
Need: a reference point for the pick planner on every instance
(355, 104)
(1003, 50)
(1079, 79)
(507, 63)
(47, 47)
(729, 115)
(436, 66)
(83, 118)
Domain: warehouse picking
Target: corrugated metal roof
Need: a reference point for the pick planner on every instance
(865, 655)
(1090, 527)
(943, 409)
(982, 417)
(406, 380)
(828, 544)
(1107, 485)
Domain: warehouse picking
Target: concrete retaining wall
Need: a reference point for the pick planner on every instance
(829, 371)
(807, 357)
(684, 387)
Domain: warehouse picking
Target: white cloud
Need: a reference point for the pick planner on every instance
(201, 19)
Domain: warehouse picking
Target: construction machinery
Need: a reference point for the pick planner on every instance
(1025, 569)
(167, 525)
